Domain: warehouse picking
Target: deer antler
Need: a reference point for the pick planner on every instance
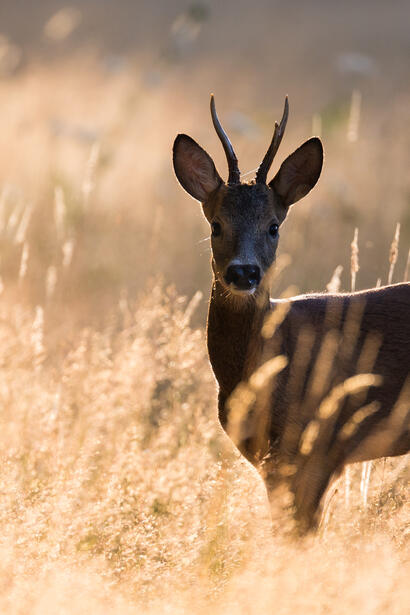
(234, 174)
(266, 163)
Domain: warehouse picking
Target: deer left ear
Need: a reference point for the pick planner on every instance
(194, 168)
(299, 172)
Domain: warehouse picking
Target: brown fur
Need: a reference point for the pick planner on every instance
(326, 339)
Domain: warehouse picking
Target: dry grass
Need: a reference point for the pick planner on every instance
(119, 491)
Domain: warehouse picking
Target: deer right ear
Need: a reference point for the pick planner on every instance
(299, 172)
(194, 168)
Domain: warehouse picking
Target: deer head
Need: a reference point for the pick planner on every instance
(245, 217)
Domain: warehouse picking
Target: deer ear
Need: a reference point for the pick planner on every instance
(194, 168)
(299, 172)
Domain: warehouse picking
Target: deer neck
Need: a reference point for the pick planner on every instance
(234, 340)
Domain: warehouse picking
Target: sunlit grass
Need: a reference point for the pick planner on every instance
(119, 491)
(119, 486)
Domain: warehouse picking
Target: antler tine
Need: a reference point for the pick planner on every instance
(234, 174)
(266, 163)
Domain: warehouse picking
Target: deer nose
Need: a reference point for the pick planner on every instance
(243, 277)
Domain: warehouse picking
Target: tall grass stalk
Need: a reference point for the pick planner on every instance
(394, 252)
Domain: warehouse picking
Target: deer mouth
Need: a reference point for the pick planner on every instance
(232, 289)
(240, 292)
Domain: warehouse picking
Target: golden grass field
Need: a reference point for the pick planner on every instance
(119, 491)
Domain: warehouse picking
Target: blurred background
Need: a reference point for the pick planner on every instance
(93, 93)
(120, 494)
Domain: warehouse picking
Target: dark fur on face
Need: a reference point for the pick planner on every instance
(245, 213)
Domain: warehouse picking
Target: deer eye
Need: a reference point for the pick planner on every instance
(273, 230)
(216, 229)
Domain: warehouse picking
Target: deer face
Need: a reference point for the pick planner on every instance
(244, 235)
(245, 217)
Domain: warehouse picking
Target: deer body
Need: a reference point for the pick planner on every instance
(342, 392)
(237, 348)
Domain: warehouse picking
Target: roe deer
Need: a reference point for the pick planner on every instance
(306, 384)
